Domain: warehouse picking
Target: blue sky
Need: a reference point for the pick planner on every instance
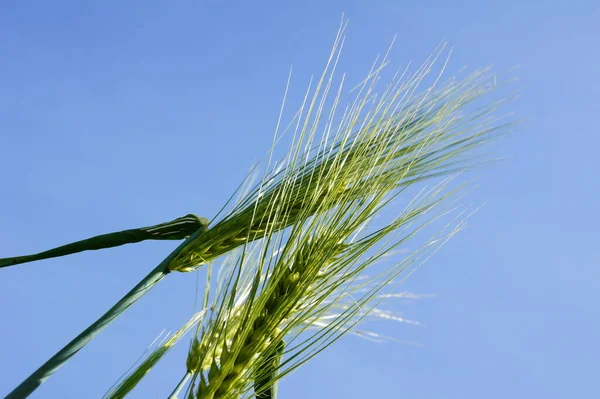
(115, 115)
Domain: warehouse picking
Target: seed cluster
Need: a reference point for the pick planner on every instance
(213, 244)
(228, 235)
(264, 337)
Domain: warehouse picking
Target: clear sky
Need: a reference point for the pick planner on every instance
(122, 114)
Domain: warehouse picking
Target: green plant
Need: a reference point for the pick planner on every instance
(305, 236)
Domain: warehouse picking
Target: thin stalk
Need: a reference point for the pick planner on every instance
(177, 229)
(39, 376)
(265, 381)
(181, 384)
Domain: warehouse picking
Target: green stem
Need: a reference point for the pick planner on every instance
(61, 357)
(179, 386)
(177, 229)
(265, 381)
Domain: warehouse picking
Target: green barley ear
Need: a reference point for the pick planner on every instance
(177, 229)
(329, 192)
(309, 275)
(402, 139)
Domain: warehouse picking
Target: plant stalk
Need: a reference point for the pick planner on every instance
(181, 384)
(265, 381)
(39, 376)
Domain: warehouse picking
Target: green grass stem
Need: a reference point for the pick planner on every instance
(38, 377)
